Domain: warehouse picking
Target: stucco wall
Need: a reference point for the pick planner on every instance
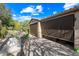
(76, 30)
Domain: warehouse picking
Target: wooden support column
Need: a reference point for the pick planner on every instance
(76, 30)
(39, 31)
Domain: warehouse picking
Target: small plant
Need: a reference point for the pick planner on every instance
(77, 50)
(25, 37)
(3, 32)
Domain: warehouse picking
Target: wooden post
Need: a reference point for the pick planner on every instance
(39, 31)
(76, 30)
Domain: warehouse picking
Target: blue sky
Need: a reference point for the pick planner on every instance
(26, 11)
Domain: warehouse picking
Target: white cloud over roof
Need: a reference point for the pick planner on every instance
(21, 18)
(70, 5)
(54, 12)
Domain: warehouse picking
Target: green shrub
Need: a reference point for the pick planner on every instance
(77, 50)
(3, 32)
(26, 36)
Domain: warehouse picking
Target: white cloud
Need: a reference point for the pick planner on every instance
(13, 15)
(21, 18)
(35, 14)
(48, 8)
(24, 17)
(69, 5)
(34, 10)
(28, 10)
(54, 12)
(39, 8)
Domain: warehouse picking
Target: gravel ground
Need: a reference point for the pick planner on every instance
(44, 47)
